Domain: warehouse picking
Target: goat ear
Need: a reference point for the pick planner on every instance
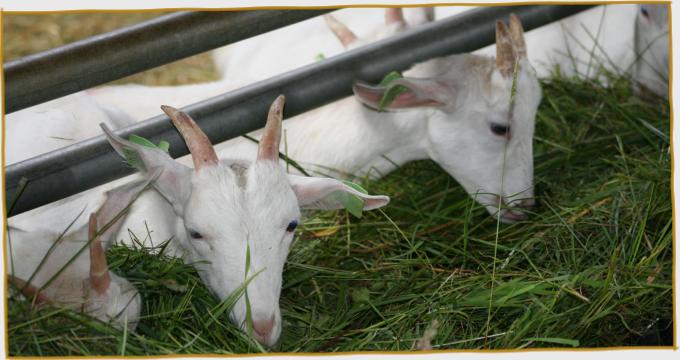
(415, 93)
(30, 291)
(174, 181)
(330, 194)
(112, 212)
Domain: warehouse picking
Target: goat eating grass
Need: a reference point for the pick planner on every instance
(235, 218)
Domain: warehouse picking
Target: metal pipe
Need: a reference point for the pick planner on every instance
(92, 162)
(97, 60)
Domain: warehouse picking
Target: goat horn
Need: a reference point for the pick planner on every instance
(100, 279)
(394, 15)
(341, 31)
(202, 151)
(517, 36)
(29, 291)
(505, 54)
(271, 137)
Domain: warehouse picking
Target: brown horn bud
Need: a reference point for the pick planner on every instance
(202, 151)
(341, 31)
(100, 278)
(271, 136)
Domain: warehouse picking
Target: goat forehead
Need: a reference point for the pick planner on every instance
(268, 190)
(215, 184)
(256, 194)
(215, 194)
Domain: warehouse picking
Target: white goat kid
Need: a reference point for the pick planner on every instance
(224, 209)
(85, 284)
(456, 111)
(650, 72)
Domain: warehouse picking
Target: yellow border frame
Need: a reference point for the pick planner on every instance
(674, 347)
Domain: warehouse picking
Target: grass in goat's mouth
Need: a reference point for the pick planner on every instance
(590, 268)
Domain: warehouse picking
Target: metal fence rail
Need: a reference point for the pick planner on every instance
(87, 164)
(116, 54)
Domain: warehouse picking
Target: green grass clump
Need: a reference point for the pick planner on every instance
(590, 268)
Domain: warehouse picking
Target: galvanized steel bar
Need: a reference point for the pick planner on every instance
(97, 60)
(92, 162)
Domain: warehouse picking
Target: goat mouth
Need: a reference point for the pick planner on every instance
(509, 216)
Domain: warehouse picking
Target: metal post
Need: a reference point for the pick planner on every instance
(97, 60)
(92, 162)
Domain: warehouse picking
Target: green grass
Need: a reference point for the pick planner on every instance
(590, 268)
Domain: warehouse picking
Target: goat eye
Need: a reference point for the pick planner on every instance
(195, 234)
(644, 12)
(499, 129)
(292, 225)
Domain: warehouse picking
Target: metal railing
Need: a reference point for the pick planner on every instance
(93, 162)
(97, 60)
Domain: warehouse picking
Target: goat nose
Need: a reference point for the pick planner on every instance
(263, 329)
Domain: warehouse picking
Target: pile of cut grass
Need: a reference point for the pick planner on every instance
(590, 268)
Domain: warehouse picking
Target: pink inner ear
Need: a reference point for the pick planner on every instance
(368, 95)
(409, 100)
(371, 96)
